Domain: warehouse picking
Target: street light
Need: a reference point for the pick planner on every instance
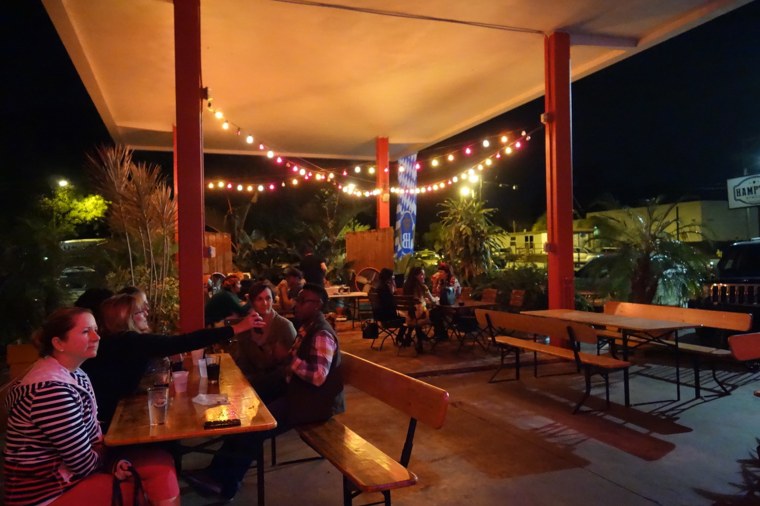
(63, 183)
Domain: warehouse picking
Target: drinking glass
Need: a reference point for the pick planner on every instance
(158, 404)
(213, 368)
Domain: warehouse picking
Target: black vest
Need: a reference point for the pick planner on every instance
(309, 403)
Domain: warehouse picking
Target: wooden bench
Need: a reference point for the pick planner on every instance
(365, 468)
(722, 320)
(523, 331)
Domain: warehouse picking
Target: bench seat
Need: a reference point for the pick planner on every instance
(603, 361)
(367, 467)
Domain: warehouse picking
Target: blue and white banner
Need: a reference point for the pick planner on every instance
(406, 209)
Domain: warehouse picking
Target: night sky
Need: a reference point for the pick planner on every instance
(676, 120)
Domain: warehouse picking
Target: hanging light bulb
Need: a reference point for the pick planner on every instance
(226, 125)
(434, 163)
(249, 139)
(504, 139)
(450, 157)
(486, 143)
(218, 115)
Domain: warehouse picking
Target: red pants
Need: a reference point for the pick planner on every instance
(156, 468)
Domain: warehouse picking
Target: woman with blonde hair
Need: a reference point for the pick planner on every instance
(54, 453)
(128, 346)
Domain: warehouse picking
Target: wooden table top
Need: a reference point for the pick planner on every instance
(185, 418)
(610, 320)
(347, 295)
(468, 304)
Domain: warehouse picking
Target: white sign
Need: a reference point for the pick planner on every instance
(743, 191)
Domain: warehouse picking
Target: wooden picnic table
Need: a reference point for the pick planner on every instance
(645, 329)
(185, 418)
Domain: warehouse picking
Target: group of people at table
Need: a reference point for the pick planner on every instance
(92, 356)
(97, 352)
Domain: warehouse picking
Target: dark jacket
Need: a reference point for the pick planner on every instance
(124, 357)
(310, 403)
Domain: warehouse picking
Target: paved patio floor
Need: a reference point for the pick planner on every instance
(518, 443)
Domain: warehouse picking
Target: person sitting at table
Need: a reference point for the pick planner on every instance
(263, 354)
(385, 287)
(425, 307)
(288, 289)
(128, 346)
(445, 278)
(54, 452)
(314, 394)
(226, 302)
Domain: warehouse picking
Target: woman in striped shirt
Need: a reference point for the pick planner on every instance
(54, 451)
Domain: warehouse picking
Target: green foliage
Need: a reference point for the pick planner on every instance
(142, 218)
(469, 236)
(433, 238)
(69, 211)
(651, 264)
(530, 278)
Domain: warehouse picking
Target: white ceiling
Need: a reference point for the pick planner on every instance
(324, 82)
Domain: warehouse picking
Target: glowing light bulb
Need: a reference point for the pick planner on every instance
(250, 188)
(240, 187)
(473, 178)
(518, 144)
(523, 133)
(211, 186)
(270, 154)
(508, 150)
(467, 151)
(295, 182)
(271, 187)
(279, 159)
(260, 188)
(401, 169)
(455, 179)
(434, 163)
(504, 139)
(357, 169)
(249, 139)
(488, 162)
(464, 191)
(486, 143)
(450, 158)
(220, 184)
(226, 125)
(218, 115)
(371, 170)
(302, 172)
(417, 166)
(62, 183)
(229, 186)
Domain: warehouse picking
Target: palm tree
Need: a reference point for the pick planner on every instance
(469, 236)
(652, 264)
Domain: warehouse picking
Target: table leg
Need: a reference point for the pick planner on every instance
(260, 471)
(678, 371)
(625, 371)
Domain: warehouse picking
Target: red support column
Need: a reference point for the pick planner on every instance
(383, 182)
(559, 172)
(189, 161)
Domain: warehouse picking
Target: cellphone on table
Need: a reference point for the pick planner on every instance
(221, 416)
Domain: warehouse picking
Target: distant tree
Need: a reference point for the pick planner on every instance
(469, 236)
(651, 263)
(70, 212)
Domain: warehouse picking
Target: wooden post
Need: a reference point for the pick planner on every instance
(383, 182)
(559, 172)
(189, 161)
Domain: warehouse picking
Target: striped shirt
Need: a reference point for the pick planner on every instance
(52, 431)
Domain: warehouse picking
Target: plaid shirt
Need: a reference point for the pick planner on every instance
(314, 370)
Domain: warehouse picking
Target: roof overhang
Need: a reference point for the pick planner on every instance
(319, 81)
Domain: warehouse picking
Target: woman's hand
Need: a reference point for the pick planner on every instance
(122, 469)
(252, 321)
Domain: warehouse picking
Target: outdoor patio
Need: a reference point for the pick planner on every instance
(518, 443)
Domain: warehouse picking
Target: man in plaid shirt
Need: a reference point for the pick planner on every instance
(314, 394)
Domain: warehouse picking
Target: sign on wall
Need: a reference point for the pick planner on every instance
(743, 191)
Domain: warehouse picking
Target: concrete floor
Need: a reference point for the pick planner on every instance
(518, 443)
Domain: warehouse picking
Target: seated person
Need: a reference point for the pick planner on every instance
(54, 453)
(425, 308)
(262, 354)
(226, 303)
(444, 278)
(385, 288)
(288, 289)
(128, 346)
(314, 393)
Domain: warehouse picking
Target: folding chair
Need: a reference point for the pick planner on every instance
(385, 327)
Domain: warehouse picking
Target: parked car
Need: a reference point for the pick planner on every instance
(581, 256)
